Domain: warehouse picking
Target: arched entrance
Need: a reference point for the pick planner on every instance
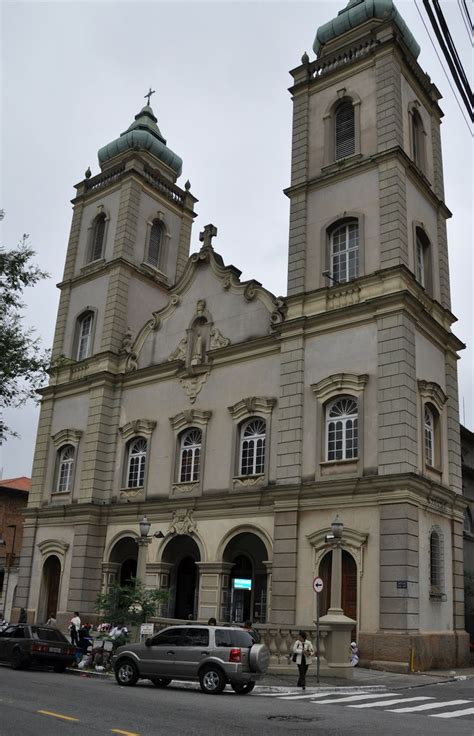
(125, 554)
(349, 584)
(247, 595)
(51, 578)
(182, 553)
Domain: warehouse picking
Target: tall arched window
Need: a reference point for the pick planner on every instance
(436, 563)
(190, 456)
(344, 251)
(467, 521)
(429, 436)
(252, 447)
(341, 429)
(417, 139)
(344, 130)
(155, 244)
(137, 450)
(66, 457)
(98, 233)
(423, 259)
(84, 335)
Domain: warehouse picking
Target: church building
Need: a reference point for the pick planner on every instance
(241, 425)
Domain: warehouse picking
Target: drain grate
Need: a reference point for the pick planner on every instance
(293, 719)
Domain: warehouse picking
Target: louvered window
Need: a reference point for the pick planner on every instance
(98, 238)
(154, 245)
(345, 130)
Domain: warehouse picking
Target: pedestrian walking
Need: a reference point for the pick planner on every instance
(354, 654)
(302, 654)
(74, 627)
(51, 620)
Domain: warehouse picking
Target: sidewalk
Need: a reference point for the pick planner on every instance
(362, 678)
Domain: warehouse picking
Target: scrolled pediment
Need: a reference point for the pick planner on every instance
(350, 538)
(137, 427)
(189, 417)
(66, 437)
(53, 546)
(251, 405)
(431, 391)
(339, 383)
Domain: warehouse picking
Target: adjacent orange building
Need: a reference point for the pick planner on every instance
(13, 502)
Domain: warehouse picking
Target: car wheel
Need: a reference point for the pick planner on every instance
(212, 680)
(59, 667)
(243, 689)
(126, 672)
(161, 681)
(18, 660)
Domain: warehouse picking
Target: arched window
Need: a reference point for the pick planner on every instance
(66, 457)
(417, 139)
(137, 450)
(429, 435)
(341, 429)
(190, 455)
(422, 259)
(344, 251)
(344, 130)
(252, 447)
(467, 521)
(84, 335)
(155, 244)
(436, 563)
(98, 233)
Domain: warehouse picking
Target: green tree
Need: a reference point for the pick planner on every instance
(22, 363)
(130, 604)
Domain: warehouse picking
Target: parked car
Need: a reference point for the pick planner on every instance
(214, 655)
(22, 645)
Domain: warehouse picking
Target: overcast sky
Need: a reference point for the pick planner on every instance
(74, 75)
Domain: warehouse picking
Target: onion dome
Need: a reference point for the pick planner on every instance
(145, 134)
(358, 12)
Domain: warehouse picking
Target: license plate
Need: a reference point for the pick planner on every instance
(56, 650)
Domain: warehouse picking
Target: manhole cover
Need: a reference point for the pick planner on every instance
(292, 719)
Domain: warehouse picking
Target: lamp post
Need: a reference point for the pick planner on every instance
(143, 541)
(337, 528)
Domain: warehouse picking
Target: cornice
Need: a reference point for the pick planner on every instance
(142, 273)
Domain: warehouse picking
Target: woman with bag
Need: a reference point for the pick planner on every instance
(303, 653)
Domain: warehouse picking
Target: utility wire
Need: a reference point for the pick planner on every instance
(453, 50)
(448, 58)
(467, 13)
(442, 67)
(465, 21)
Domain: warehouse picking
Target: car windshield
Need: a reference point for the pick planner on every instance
(233, 638)
(40, 632)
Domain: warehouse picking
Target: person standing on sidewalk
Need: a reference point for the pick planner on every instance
(303, 653)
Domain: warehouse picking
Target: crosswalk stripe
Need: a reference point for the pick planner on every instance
(353, 698)
(275, 695)
(308, 695)
(429, 706)
(453, 714)
(387, 702)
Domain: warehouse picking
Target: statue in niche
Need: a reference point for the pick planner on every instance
(197, 354)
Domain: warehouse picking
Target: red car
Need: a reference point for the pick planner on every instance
(22, 645)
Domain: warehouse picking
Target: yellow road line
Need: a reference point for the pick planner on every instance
(56, 715)
(125, 733)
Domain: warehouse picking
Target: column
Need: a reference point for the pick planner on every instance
(142, 543)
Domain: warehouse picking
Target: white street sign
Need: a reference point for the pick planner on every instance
(318, 585)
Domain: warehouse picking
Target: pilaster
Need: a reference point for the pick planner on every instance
(86, 572)
(126, 233)
(399, 554)
(290, 411)
(393, 214)
(43, 442)
(397, 395)
(454, 437)
(388, 80)
(284, 568)
(26, 563)
(299, 175)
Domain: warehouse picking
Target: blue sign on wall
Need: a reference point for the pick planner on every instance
(402, 583)
(242, 583)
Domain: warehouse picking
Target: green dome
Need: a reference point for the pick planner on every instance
(359, 11)
(143, 133)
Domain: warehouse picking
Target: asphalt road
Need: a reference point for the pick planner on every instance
(34, 703)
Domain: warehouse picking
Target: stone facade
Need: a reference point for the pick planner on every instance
(240, 424)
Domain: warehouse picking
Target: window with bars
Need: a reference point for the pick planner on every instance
(436, 563)
(84, 335)
(190, 455)
(137, 451)
(155, 244)
(252, 447)
(344, 251)
(344, 128)
(429, 436)
(342, 429)
(66, 458)
(98, 233)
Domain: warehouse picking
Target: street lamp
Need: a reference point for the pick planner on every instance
(143, 541)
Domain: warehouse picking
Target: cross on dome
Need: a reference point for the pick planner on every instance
(149, 94)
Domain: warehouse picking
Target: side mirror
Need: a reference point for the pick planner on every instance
(148, 643)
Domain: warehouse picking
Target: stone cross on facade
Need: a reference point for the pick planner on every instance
(209, 232)
(149, 94)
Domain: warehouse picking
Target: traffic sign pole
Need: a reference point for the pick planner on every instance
(317, 638)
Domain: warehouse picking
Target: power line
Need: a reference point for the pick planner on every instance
(454, 52)
(467, 13)
(447, 56)
(442, 67)
(465, 21)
